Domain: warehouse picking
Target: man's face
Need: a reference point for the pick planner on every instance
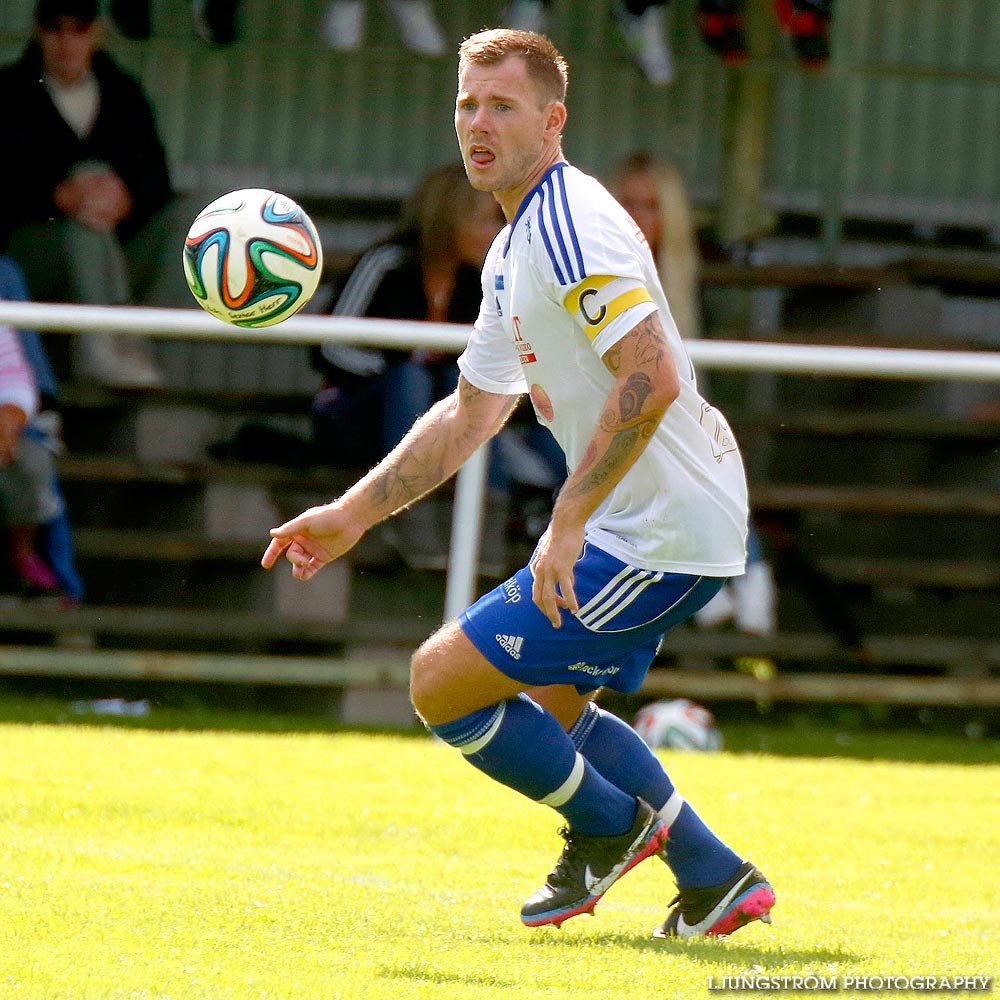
(68, 47)
(501, 123)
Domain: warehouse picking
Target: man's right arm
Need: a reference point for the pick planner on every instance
(431, 453)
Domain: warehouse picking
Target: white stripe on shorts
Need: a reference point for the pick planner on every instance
(628, 584)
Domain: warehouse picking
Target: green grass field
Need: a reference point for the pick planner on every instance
(195, 863)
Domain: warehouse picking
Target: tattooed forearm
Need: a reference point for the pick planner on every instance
(645, 385)
(439, 442)
(594, 472)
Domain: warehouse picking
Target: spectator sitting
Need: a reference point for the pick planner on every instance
(54, 539)
(81, 151)
(428, 270)
(344, 26)
(41, 549)
(27, 498)
(653, 193)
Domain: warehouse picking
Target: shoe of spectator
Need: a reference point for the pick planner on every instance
(414, 534)
(718, 612)
(723, 26)
(643, 34)
(418, 27)
(755, 600)
(215, 20)
(526, 15)
(131, 18)
(114, 362)
(344, 25)
(35, 577)
(807, 23)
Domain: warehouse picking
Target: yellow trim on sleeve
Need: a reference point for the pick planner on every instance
(633, 297)
(594, 283)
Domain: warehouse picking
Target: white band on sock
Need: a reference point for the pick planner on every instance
(568, 788)
(476, 745)
(672, 808)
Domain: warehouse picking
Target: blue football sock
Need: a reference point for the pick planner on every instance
(519, 744)
(620, 754)
(694, 854)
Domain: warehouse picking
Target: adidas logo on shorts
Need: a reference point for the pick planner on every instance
(512, 643)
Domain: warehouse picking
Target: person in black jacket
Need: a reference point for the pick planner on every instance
(428, 269)
(86, 174)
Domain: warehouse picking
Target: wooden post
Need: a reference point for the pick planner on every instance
(745, 132)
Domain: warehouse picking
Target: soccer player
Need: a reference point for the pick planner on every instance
(648, 525)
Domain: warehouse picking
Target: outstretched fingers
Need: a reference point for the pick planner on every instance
(274, 551)
(289, 539)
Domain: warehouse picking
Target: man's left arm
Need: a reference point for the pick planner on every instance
(646, 383)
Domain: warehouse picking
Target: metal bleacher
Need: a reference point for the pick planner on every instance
(890, 494)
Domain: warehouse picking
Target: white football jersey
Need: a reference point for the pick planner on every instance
(564, 282)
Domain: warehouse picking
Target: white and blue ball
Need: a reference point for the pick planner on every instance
(678, 724)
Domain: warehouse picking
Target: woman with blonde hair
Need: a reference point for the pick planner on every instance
(652, 191)
(428, 269)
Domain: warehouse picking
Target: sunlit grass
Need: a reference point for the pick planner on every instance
(210, 864)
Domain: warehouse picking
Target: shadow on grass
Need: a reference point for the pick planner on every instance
(707, 950)
(423, 974)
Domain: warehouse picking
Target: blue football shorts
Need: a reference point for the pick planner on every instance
(610, 642)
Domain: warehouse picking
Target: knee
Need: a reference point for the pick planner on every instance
(423, 681)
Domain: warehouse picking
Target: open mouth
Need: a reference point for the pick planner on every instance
(481, 156)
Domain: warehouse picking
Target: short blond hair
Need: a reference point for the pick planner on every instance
(546, 66)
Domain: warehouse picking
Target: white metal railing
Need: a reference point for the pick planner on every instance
(194, 324)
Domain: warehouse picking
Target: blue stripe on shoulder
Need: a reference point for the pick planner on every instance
(558, 230)
(545, 237)
(572, 226)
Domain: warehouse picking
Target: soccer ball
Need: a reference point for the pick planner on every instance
(252, 258)
(679, 724)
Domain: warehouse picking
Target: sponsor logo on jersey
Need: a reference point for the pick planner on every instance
(511, 643)
(512, 591)
(594, 671)
(524, 352)
(718, 430)
(498, 283)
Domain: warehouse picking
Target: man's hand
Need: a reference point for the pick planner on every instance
(554, 586)
(98, 198)
(313, 539)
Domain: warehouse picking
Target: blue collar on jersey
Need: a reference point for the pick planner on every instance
(561, 165)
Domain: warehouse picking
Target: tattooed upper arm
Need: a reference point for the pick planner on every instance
(643, 347)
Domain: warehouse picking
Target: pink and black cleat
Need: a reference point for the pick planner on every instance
(589, 866)
(720, 909)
